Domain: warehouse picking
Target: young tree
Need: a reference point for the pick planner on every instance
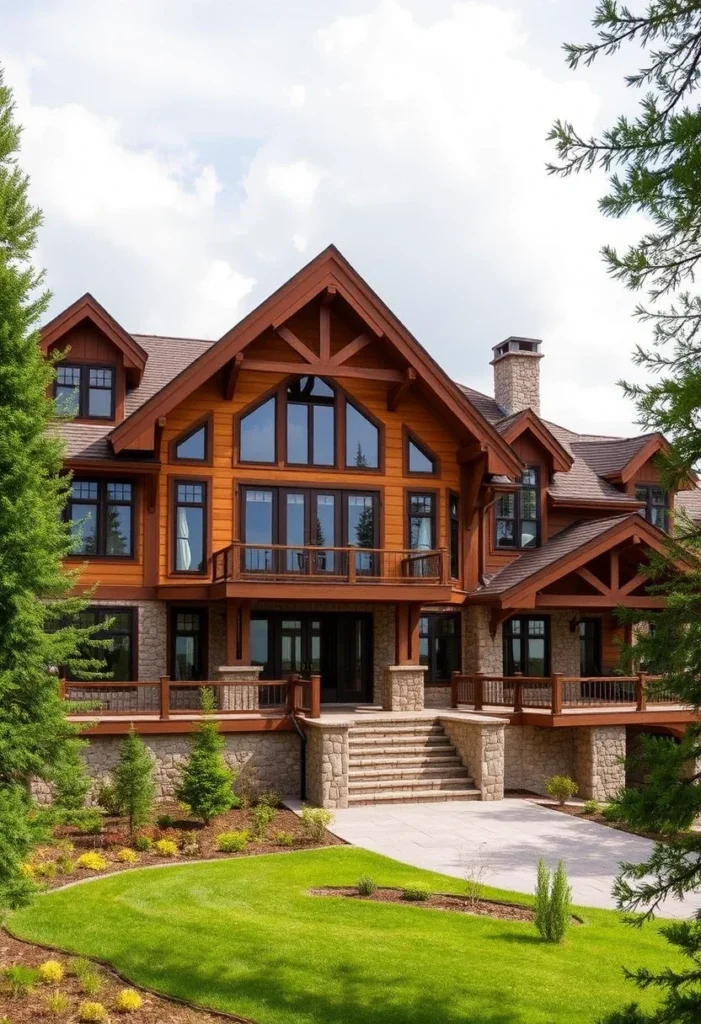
(134, 787)
(654, 166)
(70, 779)
(33, 537)
(206, 784)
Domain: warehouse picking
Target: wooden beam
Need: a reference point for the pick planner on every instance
(232, 376)
(595, 601)
(470, 452)
(632, 585)
(357, 345)
(592, 580)
(395, 395)
(614, 570)
(158, 436)
(293, 341)
(329, 295)
(497, 616)
(324, 334)
(324, 370)
(402, 633)
(232, 623)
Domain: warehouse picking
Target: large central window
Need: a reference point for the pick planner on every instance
(309, 422)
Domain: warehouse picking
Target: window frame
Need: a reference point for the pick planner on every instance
(431, 679)
(205, 483)
(84, 369)
(649, 504)
(201, 612)
(423, 492)
(518, 517)
(101, 504)
(409, 438)
(207, 422)
(595, 621)
(310, 405)
(506, 636)
(454, 551)
(107, 612)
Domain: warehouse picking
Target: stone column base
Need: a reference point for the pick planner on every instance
(480, 744)
(327, 763)
(403, 688)
(239, 698)
(599, 754)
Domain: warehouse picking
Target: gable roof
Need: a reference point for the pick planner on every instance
(329, 270)
(581, 486)
(619, 459)
(88, 308)
(527, 420)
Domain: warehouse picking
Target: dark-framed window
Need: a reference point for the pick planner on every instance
(656, 500)
(85, 391)
(194, 445)
(419, 459)
(439, 646)
(421, 512)
(454, 534)
(311, 422)
(258, 433)
(362, 439)
(120, 660)
(188, 643)
(526, 646)
(517, 514)
(190, 526)
(101, 513)
(589, 647)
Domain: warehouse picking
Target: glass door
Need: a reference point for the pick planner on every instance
(188, 643)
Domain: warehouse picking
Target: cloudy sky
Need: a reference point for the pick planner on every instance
(190, 155)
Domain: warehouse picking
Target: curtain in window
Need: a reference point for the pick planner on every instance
(183, 539)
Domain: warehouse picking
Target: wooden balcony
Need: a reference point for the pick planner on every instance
(317, 571)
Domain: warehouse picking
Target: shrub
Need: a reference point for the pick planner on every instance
(612, 812)
(90, 983)
(552, 902)
(51, 972)
(561, 788)
(128, 1001)
(315, 821)
(206, 784)
(106, 798)
(80, 966)
(20, 980)
(416, 893)
(142, 842)
(69, 777)
(262, 815)
(190, 844)
(284, 838)
(91, 861)
(232, 842)
(65, 865)
(46, 869)
(270, 797)
(166, 848)
(127, 856)
(27, 870)
(133, 780)
(92, 1013)
(57, 1004)
(64, 846)
(164, 821)
(592, 807)
(88, 821)
(366, 886)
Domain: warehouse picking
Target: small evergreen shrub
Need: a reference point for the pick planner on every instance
(27, 870)
(65, 864)
(315, 821)
(270, 797)
(164, 821)
(106, 798)
(612, 812)
(232, 842)
(366, 886)
(552, 902)
(92, 1013)
(127, 856)
(142, 842)
(561, 788)
(206, 784)
(416, 893)
(20, 980)
(91, 861)
(263, 815)
(88, 821)
(46, 869)
(283, 838)
(134, 787)
(57, 1004)
(70, 779)
(90, 983)
(128, 1001)
(592, 807)
(51, 972)
(166, 848)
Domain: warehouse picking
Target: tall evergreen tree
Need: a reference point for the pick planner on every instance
(654, 166)
(34, 606)
(134, 787)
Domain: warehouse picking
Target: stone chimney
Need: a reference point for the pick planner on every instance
(517, 374)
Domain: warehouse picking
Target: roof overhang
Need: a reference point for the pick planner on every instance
(528, 420)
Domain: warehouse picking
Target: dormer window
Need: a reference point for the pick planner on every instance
(656, 500)
(86, 392)
(518, 514)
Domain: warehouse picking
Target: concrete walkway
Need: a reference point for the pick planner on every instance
(509, 836)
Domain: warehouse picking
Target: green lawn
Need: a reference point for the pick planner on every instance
(243, 936)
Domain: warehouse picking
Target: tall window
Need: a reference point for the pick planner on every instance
(518, 514)
(188, 644)
(101, 513)
(119, 660)
(422, 522)
(439, 646)
(190, 526)
(454, 535)
(310, 422)
(526, 646)
(257, 439)
(362, 440)
(85, 391)
(656, 504)
(590, 647)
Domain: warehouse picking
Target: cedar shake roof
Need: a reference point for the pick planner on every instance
(690, 502)
(485, 404)
(559, 546)
(582, 483)
(608, 457)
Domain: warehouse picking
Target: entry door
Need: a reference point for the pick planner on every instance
(353, 659)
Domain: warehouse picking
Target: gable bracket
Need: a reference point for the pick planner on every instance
(293, 341)
(232, 376)
(395, 394)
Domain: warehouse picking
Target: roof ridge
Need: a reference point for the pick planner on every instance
(175, 337)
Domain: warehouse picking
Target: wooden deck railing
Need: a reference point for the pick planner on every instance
(168, 698)
(315, 564)
(556, 693)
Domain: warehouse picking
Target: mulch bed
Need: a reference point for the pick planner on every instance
(577, 811)
(31, 1009)
(115, 836)
(440, 901)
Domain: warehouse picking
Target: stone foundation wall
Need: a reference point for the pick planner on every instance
(564, 644)
(265, 760)
(532, 755)
(437, 696)
(599, 755)
(480, 744)
(327, 764)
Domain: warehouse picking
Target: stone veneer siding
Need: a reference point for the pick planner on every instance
(532, 755)
(599, 755)
(150, 638)
(480, 744)
(517, 381)
(327, 764)
(403, 688)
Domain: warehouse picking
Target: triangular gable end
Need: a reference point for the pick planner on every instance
(331, 277)
(529, 421)
(88, 308)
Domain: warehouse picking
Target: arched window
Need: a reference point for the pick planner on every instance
(311, 422)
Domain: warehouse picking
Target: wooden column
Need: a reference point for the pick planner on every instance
(414, 616)
(245, 632)
(407, 618)
(232, 624)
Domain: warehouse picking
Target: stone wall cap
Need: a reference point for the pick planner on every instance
(240, 668)
(407, 668)
(466, 716)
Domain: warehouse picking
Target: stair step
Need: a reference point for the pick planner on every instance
(387, 728)
(441, 782)
(427, 759)
(412, 796)
(440, 740)
(441, 771)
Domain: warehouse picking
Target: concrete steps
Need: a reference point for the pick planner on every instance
(399, 762)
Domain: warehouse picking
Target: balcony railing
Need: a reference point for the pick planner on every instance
(557, 693)
(167, 698)
(315, 564)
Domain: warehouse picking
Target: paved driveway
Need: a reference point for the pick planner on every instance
(509, 835)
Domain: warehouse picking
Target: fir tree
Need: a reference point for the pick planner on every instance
(654, 166)
(134, 787)
(35, 614)
(70, 778)
(206, 785)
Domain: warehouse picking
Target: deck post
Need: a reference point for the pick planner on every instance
(445, 565)
(641, 692)
(518, 694)
(454, 679)
(315, 700)
(556, 701)
(479, 690)
(165, 698)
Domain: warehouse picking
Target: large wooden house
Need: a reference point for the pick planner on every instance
(313, 496)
